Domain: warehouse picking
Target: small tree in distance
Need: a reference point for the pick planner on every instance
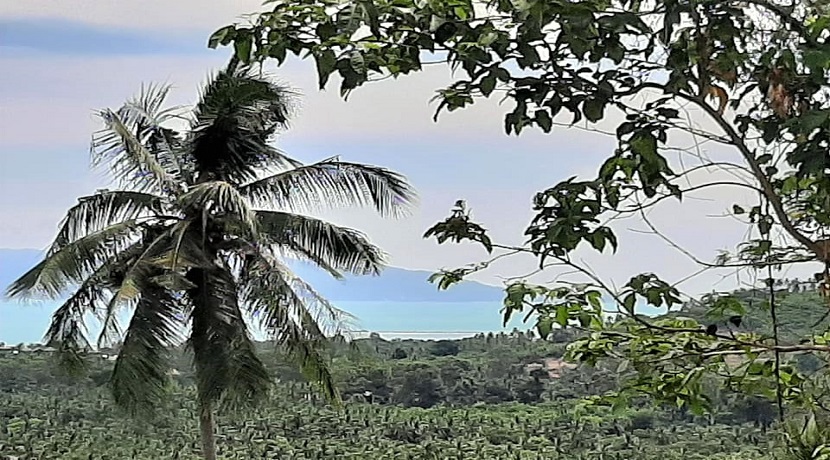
(755, 74)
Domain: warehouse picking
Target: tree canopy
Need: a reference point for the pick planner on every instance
(749, 75)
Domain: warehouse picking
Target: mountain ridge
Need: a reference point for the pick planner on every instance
(396, 300)
(393, 284)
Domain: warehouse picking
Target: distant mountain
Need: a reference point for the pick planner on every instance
(397, 300)
(394, 284)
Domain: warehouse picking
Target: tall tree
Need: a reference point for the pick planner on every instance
(748, 75)
(191, 243)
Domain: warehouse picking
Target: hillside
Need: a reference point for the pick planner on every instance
(799, 313)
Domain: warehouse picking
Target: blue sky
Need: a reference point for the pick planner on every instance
(63, 60)
(66, 38)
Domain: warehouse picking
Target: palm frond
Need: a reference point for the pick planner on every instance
(112, 276)
(329, 246)
(164, 258)
(332, 183)
(236, 117)
(74, 262)
(139, 378)
(101, 210)
(108, 316)
(290, 312)
(268, 287)
(248, 379)
(136, 267)
(147, 114)
(146, 109)
(67, 331)
(310, 357)
(126, 148)
(227, 369)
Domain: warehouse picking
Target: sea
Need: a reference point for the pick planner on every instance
(26, 323)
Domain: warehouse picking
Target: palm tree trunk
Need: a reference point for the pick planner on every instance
(206, 427)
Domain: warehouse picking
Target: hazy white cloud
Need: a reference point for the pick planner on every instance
(65, 90)
(158, 16)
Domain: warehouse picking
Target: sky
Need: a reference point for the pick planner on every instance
(63, 59)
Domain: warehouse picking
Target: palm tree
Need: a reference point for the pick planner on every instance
(192, 242)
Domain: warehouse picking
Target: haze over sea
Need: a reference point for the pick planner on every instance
(399, 303)
(392, 319)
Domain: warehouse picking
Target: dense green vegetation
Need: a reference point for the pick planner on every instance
(701, 95)
(486, 397)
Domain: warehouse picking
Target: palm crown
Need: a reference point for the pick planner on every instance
(192, 242)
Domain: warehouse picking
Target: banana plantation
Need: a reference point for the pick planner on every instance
(46, 415)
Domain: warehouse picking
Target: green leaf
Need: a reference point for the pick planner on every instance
(326, 62)
(562, 315)
(242, 47)
(628, 302)
(544, 326)
(488, 84)
(764, 226)
(222, 36)
(544, 120)
(737, 209)
(763, 159)
(594, 109)
(529, 55)
(326, 30)
(594, 299)
(445, 31)
(597, 240)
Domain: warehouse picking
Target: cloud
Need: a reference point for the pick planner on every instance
(161, 17)
(63, 91)
(49, 37)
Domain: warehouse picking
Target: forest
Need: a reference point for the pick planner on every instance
(493, 396)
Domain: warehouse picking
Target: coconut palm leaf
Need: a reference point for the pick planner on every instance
(235, 119)
(131, 160)
(146, 114)
(139, 377)
(74, 262)
(108, 317)
(248, 379)
(67, 332)
(270, 289)
(299, 320)
(147, 109)
(136, 267)
(333, 183)
(329, 246)
(101, 210)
